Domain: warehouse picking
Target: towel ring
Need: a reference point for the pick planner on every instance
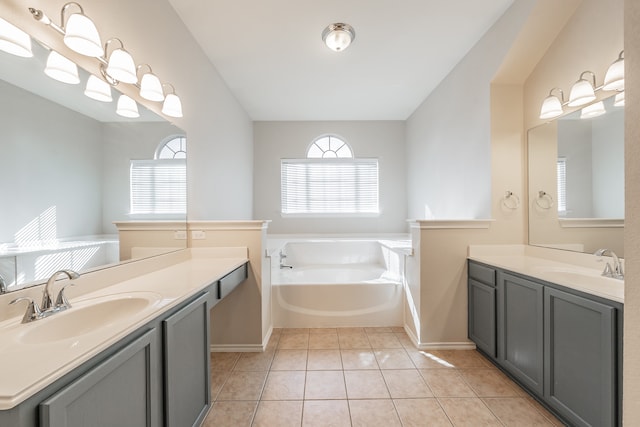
(510, 200)
(544, 200)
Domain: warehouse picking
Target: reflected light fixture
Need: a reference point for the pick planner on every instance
(150, 86)
(618, 101)
(172, 106)
(127, 107)
(98, 89)
(338, 36)
(614, 78)
(582, 91)
(120, 65)
(14, 41)
(552, 105)
(594, 110)
(62, 69)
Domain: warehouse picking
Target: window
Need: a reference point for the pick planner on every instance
(159, 186)
(561, 168)
(330, 181)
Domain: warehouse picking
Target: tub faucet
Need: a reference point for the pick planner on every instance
(282, 264)
(616, 272)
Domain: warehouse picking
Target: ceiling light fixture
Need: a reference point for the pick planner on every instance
(14, 41)
(552, 105)
(127, 107)
(582, 91)
(150, 86)
(61, 69)
(98, 89)
(338, 36)
(172, 106)
(120, 65)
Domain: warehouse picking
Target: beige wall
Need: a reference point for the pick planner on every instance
(632, 215)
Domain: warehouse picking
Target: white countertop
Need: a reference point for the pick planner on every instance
(28, 367)
(581, 272)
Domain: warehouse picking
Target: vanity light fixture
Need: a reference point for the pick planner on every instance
(582, 91)
(127, 107)
(338, 36)
(79, 32)
(618, 101)
(594, 110)
(98, 89)
(62, 69)
(14, 41)
(172, 106)
(120, 65)
(552, 105)
(614, 78)
(150, 86)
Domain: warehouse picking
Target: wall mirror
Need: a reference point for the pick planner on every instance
(65, 169)
(576, 181)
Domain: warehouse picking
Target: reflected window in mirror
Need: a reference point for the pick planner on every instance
(561, 168)
(158, 186)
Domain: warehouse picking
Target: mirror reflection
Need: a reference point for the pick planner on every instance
(70, 167)
(576, 181)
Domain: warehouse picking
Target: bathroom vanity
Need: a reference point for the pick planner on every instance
(149, 365)
(555, 328)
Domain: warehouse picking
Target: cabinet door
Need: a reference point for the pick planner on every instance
(520, 329)
(482, 316)
(118, 392)
(580, 358)
(186, 364)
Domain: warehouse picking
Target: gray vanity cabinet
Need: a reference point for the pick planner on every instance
(482, 307)
(564, 346)
(120, 391)
(580, 342)
(520, 329)
(186, 364)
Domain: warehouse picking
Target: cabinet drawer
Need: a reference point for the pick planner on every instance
(484, 274)
(231, 280)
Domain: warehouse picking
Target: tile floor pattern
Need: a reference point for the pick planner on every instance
(363, 377)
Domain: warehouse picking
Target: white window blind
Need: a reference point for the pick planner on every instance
(159, 187)
(329, 186)
(561, 169)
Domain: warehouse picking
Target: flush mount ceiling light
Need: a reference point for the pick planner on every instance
(614, 78)
(127, 107)
(98, 89)
(552, 105)
(338, 36)
(172, 106)
(582, 91)
(80, 33)
(14, 41)
(150, 86)
(62, 69)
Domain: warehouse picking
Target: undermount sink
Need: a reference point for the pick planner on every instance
(86, 317)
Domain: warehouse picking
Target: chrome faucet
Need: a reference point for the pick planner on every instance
(47, 300)
(47, 308)
(282, 264)
(3, 285)
(616, 271)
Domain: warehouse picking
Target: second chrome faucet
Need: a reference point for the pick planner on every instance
(616, 271)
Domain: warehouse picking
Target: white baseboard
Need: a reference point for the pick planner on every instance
(242, 348)
(466, 345)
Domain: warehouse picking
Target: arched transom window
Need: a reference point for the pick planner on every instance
(330, 181)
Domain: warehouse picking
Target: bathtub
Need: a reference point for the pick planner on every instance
(337, 283)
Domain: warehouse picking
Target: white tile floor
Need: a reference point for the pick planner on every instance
(363, 377)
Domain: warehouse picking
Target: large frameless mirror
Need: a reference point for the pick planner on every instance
(71, 167)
